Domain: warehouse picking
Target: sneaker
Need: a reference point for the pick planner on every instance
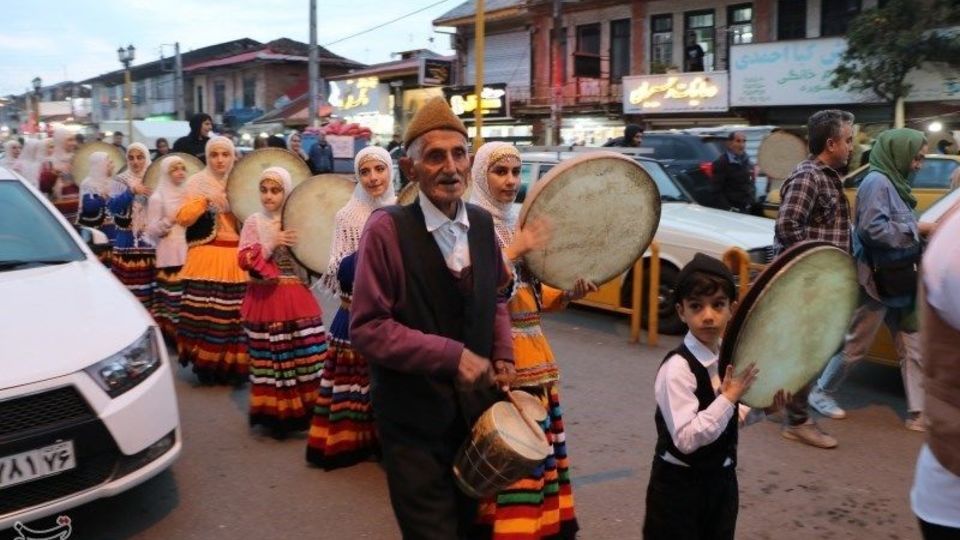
(824, 404)
(916, 422)
(809, 433)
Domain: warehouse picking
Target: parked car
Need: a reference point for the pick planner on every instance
(87, 402)
(691, 155)
(685, 229)
(930, 183)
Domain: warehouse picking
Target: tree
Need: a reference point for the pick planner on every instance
(885, 44)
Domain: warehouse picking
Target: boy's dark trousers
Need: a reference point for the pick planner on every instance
(684, 503)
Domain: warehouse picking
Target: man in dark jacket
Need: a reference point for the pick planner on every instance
(321, 156)
(632, 137)
(735, 188)
(195, 142)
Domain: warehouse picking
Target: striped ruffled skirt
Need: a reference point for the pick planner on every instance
(286, 359)
(134, 267)
(166, 300)
(540, 505)
(342, 432)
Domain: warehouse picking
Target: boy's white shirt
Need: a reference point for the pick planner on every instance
(675, 390)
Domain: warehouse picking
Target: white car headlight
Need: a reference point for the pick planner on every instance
(129, 367)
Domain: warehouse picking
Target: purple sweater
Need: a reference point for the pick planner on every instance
(379, 290)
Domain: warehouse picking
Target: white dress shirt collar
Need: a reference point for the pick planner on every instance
(702, 353)
(435, 219)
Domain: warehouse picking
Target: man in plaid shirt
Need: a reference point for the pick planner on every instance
(813, 207)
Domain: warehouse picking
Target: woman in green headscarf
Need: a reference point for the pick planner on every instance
(886, 245)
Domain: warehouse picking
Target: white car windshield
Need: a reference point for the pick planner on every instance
(669, 190)
(29, 234)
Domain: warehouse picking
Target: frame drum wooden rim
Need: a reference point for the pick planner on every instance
(243, 184)
(604, 209)
(792, 320)
(311, 210)
(779, 154)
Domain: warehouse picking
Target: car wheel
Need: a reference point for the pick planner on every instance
(668, 321)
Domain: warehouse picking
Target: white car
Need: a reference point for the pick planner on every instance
(685, 229)
(87, 402)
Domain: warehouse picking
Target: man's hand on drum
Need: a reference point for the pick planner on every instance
(287, 238)
(780, 400)
(735, 385)
(533, 235)
(473, 369)
(504, 373)
(581, 288)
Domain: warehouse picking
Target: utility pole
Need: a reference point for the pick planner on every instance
(556, 107)
(313, 66)
(178, 83)
(478, 50)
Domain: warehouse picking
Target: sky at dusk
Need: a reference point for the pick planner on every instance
(62, 40)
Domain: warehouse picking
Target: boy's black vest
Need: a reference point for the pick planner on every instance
(422, 408)
(715, 454)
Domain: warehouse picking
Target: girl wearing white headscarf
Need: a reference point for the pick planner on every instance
(294, 144)
(11, 155)
(540, 505)
(286, 339)
(210, 331)
(133, 254)
(30, 161)
(170, 240)
(64, 146)
(94, 193)
(342, 431)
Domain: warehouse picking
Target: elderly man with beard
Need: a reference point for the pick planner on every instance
(428, 316)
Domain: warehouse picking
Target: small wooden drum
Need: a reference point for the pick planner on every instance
(605, 210)
(80, 166)
(151, 178)
(243, 184)
(502, 448)
(792, 320)
(311, 210)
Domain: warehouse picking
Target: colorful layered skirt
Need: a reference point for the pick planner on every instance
(287, 344)
(166, 300)
(540, 505)
(342, 432)
(210, 334)
(134, 267)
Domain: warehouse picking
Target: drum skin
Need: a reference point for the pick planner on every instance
(502, 448)
(779, 154)
(243, 184)
(311, 210)
(151, 178)
(792, 320)
(80, 166)
(604, 211)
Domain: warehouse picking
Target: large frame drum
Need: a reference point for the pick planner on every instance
(311, 210)
(792, 320)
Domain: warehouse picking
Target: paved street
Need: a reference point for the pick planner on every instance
(230, 483)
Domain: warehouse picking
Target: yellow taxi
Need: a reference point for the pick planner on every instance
(931, 183)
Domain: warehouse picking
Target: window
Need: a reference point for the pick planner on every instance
(619, 49)
(588, 38)
(30, 232)
(836, 16)
(563, 54)
(740, 24)
(140, 93)
(200, 99)
(250, 92)
(791, 19)
(219, 97)
(935, 173)
(661, 42)
(699, 41)
(586, 59)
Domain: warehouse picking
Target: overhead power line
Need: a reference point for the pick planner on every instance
(379, 26)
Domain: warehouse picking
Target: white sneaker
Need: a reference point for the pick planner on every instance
(824, 404)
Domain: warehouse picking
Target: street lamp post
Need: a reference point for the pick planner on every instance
(126, 58)
(37, 84)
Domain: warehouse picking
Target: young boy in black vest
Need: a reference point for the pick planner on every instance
(693, 491)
